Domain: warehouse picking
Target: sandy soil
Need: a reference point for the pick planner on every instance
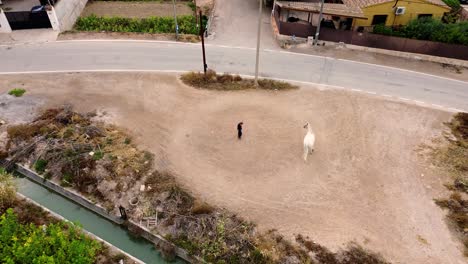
(365, 182)
(135, 9)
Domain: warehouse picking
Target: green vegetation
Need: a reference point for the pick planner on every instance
(429, 29)
(98, 155)
(454, 14)
(187, 24)
(17, 92)
(192, 6)
(7, 190)
(40, 166)
(454, 4)
(54, 243)
(227, 82)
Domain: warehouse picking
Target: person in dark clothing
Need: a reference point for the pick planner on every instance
(239, 130)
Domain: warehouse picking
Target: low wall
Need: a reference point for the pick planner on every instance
(67, 12)
(4, 25)
(68, 194)
(376, 41)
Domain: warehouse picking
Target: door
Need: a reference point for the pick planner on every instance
(28, 20)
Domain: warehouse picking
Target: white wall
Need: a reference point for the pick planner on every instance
(4, 25)
(67, 11)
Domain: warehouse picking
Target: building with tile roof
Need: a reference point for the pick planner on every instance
(396, 12)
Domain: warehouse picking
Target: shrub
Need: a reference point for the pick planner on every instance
(213, 81)
(7, 190)
(201, 208)
(55, 243)
(17, 92)
(454, 4)
(192, 6)
(187, 24)
(23, 131)
(40, 166)
(429, 29)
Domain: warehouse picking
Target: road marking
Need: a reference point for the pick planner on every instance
(242, 75)
(246, 48)
(154, 41)
(404, 70)
(456, 110)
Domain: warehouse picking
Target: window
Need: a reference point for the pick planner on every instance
(424, 15)
(379, 19)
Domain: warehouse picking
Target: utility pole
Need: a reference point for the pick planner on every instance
(202, 35)
(258, 41)
(319, 22)
(175, 21)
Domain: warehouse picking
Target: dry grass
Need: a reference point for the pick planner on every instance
(228, 82)
(452, 156)
(201, 208)
(70, 147)
(276, 249)
(7, 190)
(352, 254)
(451, 152)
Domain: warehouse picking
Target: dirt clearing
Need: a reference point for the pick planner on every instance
(135, 9)
(364, 183)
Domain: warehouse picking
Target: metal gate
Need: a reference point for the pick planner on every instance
(28, 20)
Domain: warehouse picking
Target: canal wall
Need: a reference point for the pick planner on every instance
(68, 194)
(145, 233)
(59, 217)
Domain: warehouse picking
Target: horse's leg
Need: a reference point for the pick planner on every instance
(306, 152)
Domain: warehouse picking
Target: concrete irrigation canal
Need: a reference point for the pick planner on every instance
(103, 228)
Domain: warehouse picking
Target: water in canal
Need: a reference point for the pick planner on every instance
(108, 231)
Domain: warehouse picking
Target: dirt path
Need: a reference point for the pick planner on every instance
(364, 182)
(235, 24)
(135, 9)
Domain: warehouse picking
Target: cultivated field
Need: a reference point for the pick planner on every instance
(365, 182)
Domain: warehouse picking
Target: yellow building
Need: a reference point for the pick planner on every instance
(396, 12)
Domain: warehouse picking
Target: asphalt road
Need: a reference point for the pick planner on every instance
(140, 55)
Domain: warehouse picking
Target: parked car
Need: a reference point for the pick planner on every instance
(37, 9)
(464, 2)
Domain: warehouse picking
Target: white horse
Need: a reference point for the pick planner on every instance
(309, 141)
